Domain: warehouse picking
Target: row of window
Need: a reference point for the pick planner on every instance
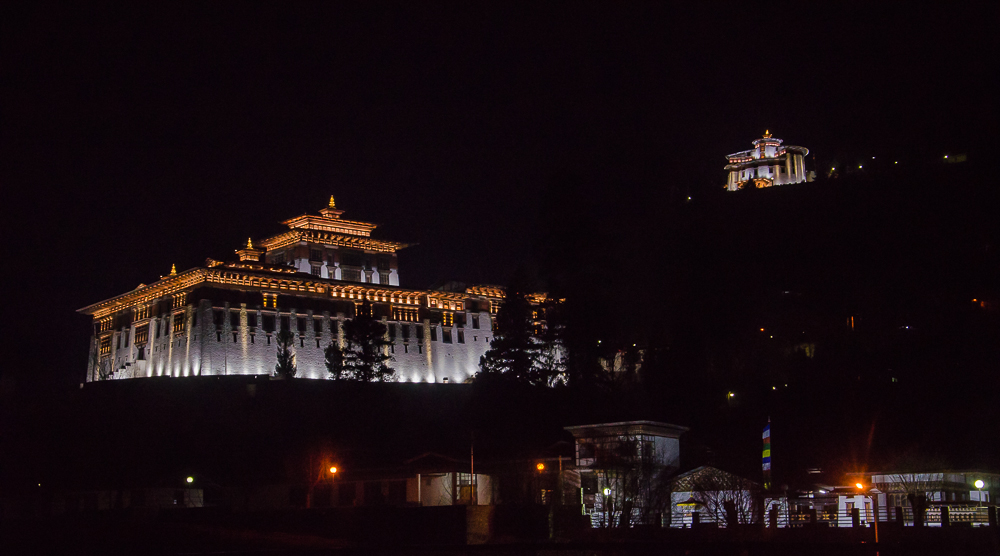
(446, 336)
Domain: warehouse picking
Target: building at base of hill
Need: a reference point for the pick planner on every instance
(625, 469)
(223, 318)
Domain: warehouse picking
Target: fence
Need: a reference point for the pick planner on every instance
(780, 516)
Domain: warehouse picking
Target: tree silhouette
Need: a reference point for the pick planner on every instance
(515, 353)
(286, 359)
(365, 355)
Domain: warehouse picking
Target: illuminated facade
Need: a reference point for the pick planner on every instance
(768, 163)
(222, 318)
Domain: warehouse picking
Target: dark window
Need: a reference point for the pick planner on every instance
(348, 258)
(315, 254)
(397, 493)
(350, 275)
(405, 328)
(252, 320)
(234, 320)
(346, 493)
(434, 333)
(588, 482)
(446, 336)
(392, 331)
(217, 317)
(322, 496)
(302, 324)
(475, 322)
(284, 324)
(383, 278)
(383, 264)
(461, 336)
(268, 323)
(297, 496)
(278, 258)
(420, 332)
(316, 270)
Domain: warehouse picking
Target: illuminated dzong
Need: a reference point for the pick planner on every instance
(222, 318)
(767, 163)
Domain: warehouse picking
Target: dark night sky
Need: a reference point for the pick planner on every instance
(136, 136)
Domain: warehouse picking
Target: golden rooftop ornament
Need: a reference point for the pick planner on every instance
(173, 270)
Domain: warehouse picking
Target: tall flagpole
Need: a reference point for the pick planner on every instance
(766, 457)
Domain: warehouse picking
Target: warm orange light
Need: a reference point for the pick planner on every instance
(859, 485)
(540, 467)
(333, 470)
(761, 329)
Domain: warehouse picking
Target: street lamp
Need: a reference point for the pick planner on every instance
(189, 480)
(979, 484)
(861, 488)
(333, 470)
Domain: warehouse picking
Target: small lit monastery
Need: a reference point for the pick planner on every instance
(768, 163)
(222, 318)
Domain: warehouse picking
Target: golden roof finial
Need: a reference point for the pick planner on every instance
(249, 244)
(767, 134)
(333, 205)
(173, 270)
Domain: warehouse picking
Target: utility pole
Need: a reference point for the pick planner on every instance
(473, 496)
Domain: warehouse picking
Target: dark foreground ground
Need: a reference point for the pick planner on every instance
(107, 536)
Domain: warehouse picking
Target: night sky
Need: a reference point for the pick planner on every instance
(139, 135)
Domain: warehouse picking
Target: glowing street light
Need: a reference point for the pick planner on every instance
(189, 480)
(860, 486)
(607, 491)
(540, 467)
(333, 470)
(979, 484)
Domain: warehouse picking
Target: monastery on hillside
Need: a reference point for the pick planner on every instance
(768, 163)
(221, 318)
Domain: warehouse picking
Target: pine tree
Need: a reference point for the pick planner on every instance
(286, 359)
(365, 356)
(515, 354)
